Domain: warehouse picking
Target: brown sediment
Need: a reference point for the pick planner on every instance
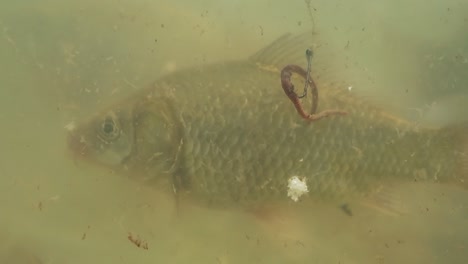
(137, 241)
(288, 88)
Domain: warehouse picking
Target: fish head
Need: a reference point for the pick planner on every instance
(135, 136)
(106, 138)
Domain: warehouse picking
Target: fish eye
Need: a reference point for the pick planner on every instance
(108, 126)
(109, 129)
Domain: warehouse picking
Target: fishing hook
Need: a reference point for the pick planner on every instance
(288, 88)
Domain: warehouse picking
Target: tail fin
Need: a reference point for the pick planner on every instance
(448, 154)
(461, 136)
(464, 156)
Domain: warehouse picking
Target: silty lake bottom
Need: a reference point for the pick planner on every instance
(64, 62)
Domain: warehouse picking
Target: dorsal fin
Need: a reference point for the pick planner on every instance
(333, 66)
(287, 49)
(328, 62)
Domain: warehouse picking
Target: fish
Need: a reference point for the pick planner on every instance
(225, 135)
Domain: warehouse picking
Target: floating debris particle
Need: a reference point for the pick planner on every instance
(70, 126)
(296, 188)
(137, 241)
(346, 209)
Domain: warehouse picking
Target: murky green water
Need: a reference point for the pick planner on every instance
(61, 60)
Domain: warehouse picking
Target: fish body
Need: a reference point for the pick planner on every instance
(226, 135)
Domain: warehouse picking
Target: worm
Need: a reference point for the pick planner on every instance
(288, 88)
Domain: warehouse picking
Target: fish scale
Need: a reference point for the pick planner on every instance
(226, 135)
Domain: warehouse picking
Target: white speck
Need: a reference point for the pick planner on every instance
(349, 88)
(70, 126)
(170, 66)
(115, 91)
(54, 198)
(296, 188)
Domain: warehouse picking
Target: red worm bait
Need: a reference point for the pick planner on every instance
(288, 88)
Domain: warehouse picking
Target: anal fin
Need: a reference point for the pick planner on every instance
(285, 229)
(386, 200)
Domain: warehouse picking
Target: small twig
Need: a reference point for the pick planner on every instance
(137, 241)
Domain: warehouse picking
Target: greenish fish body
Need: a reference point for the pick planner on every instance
(226, 135)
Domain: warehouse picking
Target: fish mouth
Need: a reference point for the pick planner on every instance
(77, 145)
